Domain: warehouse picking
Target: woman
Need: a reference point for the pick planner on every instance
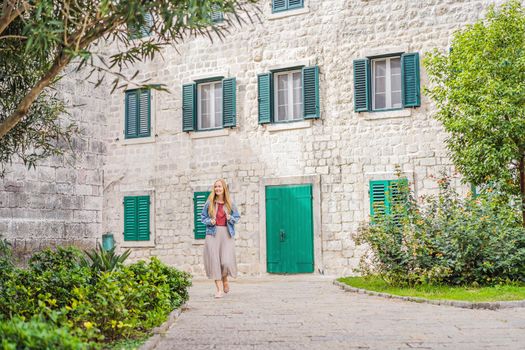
(220, 215)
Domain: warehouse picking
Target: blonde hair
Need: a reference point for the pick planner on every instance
(212, 198)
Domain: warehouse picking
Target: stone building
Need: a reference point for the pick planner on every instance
(306, 114)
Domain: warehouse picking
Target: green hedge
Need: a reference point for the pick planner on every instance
(63, 288)
(18, 334)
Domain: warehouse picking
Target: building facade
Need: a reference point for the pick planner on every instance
(305, 113)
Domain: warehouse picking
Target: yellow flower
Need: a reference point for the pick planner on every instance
(88, 325)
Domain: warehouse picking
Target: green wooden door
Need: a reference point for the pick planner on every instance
(289, 229)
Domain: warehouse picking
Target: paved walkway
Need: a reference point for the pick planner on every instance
(308, 312)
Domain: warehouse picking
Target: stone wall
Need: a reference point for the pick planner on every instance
(346, 149)
(60, 202)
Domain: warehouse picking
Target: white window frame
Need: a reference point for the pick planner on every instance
(388, 84)
(290, 96)
(212, 104)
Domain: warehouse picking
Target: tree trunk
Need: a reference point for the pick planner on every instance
(522, 187)
(24, 105)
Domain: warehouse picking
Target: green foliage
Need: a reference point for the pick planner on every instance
(38, 335)
(124, 301)
(479, 89)
(130, 299)
(46, 285)
(102, 260)
(447, 240)
(55, 260)
(37, 135)
(157, 273)
(5, 249)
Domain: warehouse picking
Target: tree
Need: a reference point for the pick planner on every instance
(40, 38)
(479, 89)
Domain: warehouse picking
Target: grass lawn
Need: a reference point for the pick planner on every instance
(484, 294)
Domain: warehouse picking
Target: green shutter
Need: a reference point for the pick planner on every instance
(189, 106)
(311, 92)
(137, 218)
(216, 14)
(131, 114)
(278, 5)
(144, 113)
(143, 224)
(146, 29)
(130, 222)
(411, 80)
(229, 109)
(138, 113)
(379, 203)
(362, 85)
(384, 194)
(199, 199)
(397, 195)
(137, 32)
(292, 4)
(264, 89)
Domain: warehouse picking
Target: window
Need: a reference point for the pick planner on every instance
(137, 218)
(209, 104)
(199, 199)
(288, 95)
(385, 194)
(138, 32)
(386, 83)
(138, 113)
(209, 109)
(283, 5)
(217, 15)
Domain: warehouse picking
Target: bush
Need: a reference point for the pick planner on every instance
(129, 300)
(46, 285)
(448, 240)
(38, 335)
(61, 287)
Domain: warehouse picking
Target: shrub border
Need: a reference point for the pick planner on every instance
(455, 303)
(160, 331)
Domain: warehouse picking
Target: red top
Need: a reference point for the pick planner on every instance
(220, 219)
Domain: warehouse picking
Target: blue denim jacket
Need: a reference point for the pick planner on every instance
(212, 229)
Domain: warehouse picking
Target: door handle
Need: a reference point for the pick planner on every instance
(282, 235)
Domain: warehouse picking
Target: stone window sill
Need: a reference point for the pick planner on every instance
(211, 133)
(198, 241)
(289, 126)
(137, 141)
(288, 13)
(137, 244)
(401, 113)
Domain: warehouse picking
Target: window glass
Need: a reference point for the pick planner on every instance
(288, 96)
(386, 83)
(395, 81)
(297, 95)
(210, 105)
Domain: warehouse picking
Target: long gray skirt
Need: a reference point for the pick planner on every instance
(219, 255)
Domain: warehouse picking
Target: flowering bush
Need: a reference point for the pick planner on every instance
(447, 240)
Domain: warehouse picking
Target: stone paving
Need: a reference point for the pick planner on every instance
(309, 312)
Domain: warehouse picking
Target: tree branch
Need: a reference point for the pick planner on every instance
(27, 101)
(10, 11)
